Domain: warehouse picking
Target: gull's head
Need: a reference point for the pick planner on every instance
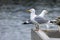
(32, 10)
(45, 11)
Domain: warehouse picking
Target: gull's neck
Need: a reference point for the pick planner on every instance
(42, 14)
(32, 16)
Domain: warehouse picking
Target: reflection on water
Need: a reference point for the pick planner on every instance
(12, 17)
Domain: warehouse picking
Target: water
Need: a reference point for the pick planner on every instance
(12, 17)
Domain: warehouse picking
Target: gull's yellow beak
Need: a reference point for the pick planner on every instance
(28, 10)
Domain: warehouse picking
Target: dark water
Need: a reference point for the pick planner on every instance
(12, 17)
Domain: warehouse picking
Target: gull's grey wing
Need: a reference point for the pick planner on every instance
(40, 20)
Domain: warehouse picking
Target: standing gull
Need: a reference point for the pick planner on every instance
(38, 19)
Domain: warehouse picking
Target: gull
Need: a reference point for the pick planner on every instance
(38, 19)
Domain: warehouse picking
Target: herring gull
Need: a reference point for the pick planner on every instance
(38, 19)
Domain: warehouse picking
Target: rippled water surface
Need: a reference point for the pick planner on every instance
(12, 17)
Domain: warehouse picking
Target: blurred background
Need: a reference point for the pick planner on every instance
(13, 14)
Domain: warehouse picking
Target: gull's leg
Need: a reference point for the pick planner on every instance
(47, 27)
(58, 28)
(37, 27)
